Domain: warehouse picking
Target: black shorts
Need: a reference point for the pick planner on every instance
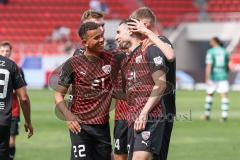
(4, 142)
(166, 140)
(92, 143)
(149, 140)
(14, 129)
(120, 136)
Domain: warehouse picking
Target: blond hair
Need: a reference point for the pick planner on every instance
(144, 13)
(91, 14)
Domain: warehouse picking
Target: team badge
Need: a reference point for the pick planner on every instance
(145, 135)
(158, 60)
(106, 69)
(138, 59)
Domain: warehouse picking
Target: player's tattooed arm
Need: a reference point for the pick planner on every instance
(72, 120)
(138, 26)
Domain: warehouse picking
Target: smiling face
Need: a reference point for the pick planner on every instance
(94, 40)
(123, 36)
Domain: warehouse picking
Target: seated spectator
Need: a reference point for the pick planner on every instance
(99, 5)
(59, 34)
(104, 7)
(95, 5)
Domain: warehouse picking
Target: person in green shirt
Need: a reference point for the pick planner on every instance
(217, 61)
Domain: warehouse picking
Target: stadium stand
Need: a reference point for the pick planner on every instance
(170, 11)
(235, 58)
(24, 21)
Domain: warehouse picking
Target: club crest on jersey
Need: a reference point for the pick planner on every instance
(106, 69)
(158, 60)
(145, 135)
(138, 59)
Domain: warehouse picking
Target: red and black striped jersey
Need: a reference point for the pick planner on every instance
(138, 70)
(121, 107)
(91, 86)
(121, 110)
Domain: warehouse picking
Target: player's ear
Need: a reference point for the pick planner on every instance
(84, 42)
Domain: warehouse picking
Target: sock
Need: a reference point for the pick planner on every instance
(224, 107)
(208, 105)
(12, 151)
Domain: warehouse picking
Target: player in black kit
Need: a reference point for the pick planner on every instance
(11, 79)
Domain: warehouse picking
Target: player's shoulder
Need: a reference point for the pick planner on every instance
(78, 51)
(70, 61)
(210, 50)
(153, 49)
(224, 50)
(6, 62)
(107, 56)
(153, 52)
(2, 58)
(166, 40)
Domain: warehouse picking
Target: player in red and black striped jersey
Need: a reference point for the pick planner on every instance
(144, 73)
(11, 79)
(89, 75)
(120, 122)
(147, 26)
(88, 16)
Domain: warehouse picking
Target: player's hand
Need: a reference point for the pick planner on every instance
(73, 123)
(140, 122)
(137, 26)
(28, 128)
(74, 126)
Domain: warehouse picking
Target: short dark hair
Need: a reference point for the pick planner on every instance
(218, 41)
(144, 13)
(91, 14)
(84, 27)
(126, 21)
(6, 43)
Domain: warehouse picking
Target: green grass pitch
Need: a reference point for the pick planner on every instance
(192, 139)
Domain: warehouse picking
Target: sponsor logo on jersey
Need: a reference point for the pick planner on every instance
(106, 69)
(158, 60)
(138, 59)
